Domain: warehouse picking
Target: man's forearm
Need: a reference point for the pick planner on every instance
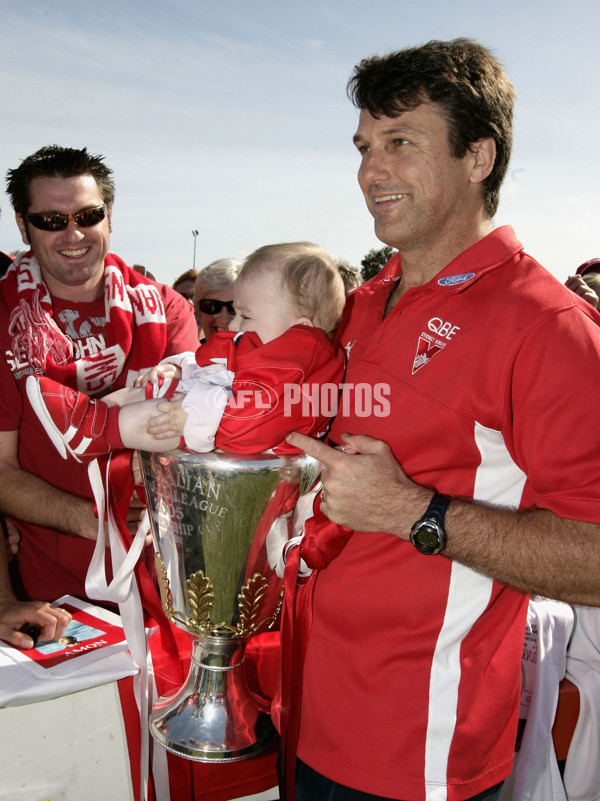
(27, 497)
(535, 551)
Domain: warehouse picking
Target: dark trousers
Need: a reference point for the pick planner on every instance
(312, 786)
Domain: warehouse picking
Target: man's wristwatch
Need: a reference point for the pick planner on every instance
(428, 534)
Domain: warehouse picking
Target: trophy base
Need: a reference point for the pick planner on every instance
(213, 718)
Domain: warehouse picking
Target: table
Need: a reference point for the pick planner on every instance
(66, 749)
(71, 748)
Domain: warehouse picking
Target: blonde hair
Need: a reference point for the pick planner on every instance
(220, 274)
(309, 277)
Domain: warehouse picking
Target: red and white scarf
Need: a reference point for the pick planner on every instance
(135, 332)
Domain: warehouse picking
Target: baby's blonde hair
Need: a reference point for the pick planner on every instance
(308, 276)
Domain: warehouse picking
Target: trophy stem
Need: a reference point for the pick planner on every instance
(213, 718)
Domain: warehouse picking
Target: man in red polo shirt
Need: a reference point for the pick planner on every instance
(482, 483)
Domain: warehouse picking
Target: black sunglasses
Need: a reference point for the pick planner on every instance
(212, 306)
(54, 221)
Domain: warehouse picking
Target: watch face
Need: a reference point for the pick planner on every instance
(427, 538)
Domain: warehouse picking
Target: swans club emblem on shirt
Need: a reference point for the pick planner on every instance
(427, 348)
(429, 344)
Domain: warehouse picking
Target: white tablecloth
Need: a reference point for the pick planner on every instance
(71, 748)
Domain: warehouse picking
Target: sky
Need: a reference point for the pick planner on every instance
(230, 117)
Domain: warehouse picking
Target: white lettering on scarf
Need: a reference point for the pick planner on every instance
(26, 279)
(99, 370)
(147, 303)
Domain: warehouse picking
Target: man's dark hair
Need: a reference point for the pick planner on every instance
(54, 161)
(469, 84)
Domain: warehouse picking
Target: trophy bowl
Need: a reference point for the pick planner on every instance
(219, 521)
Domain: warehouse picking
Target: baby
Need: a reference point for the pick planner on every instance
(242, 391)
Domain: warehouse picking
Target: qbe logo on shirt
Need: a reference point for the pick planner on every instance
(433, 341)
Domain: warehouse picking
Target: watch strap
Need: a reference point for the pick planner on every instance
(437, 508)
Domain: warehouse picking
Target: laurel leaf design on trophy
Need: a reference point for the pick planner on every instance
(250, 605)
(163, 586)
(200, 597)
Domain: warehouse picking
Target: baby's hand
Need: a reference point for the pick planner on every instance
(170, 421)
(160, 371)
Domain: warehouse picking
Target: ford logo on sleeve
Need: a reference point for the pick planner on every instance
(452, 280)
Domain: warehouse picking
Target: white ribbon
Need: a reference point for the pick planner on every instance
(123, 590)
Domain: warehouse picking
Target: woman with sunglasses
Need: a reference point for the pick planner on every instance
(213, 297)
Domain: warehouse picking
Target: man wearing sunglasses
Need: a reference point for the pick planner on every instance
(71, 309)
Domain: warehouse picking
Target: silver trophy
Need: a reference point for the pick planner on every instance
(217, 522)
